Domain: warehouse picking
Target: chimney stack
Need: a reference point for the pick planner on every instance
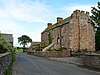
(59, 19)
(49, 24)
(82, 12)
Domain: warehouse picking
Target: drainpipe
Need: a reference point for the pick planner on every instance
(60, 35)
(78, 35)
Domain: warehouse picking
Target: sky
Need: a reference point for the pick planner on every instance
(30, 17)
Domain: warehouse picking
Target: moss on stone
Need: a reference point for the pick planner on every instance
(66, 20)
(51, 27)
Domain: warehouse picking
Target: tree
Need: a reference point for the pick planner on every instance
(96, 15)
(24, 40)
(97, 40)
(96, 23)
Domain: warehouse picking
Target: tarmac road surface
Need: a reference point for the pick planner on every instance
(32, 65)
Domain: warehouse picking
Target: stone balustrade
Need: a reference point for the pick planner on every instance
(5, 60)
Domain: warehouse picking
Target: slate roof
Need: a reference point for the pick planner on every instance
(66, 20)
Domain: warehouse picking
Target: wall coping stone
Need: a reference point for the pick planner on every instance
(93, 54)
(3, 54)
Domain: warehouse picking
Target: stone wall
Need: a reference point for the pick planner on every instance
(92, 61)
(53, 54)
(65, 34)
(74, 33)
(82, 32)
(57, 37)
(44, 38)
(5, 60)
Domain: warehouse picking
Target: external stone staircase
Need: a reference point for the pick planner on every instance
(48, 47)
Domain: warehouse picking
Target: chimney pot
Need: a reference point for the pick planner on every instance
(49, 24)
(77, 11)
(82, 12)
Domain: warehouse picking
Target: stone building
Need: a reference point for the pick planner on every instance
(35, 46)
(74, 33)
(8, 38)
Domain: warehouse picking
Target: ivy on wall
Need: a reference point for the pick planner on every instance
(49, 38)
(43, 45)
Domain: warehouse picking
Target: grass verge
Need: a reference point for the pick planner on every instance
(10, 67)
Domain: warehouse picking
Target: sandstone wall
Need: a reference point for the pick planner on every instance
(74, 34)
(82, 33)
(77, 34)
(57, 37)
(44, 38)
(57, 54)
(65, 33)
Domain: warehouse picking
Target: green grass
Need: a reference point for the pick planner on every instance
(13, 57)
(55, 25)
(10, 67)
(9, 70)
(18, 50)
(51, 27)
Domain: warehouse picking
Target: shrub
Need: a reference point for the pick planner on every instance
(43, 45)
(4, 46)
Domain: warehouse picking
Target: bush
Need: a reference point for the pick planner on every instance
(43, 45)
(4, 46)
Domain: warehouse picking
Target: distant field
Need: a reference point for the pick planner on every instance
(18, 50)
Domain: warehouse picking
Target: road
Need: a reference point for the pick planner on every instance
(32, 65)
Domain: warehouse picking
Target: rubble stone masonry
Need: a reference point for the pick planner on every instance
(74, 33)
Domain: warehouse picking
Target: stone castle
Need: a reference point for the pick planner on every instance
(74, 33)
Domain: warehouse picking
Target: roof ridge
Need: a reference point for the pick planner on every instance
(55, 25)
